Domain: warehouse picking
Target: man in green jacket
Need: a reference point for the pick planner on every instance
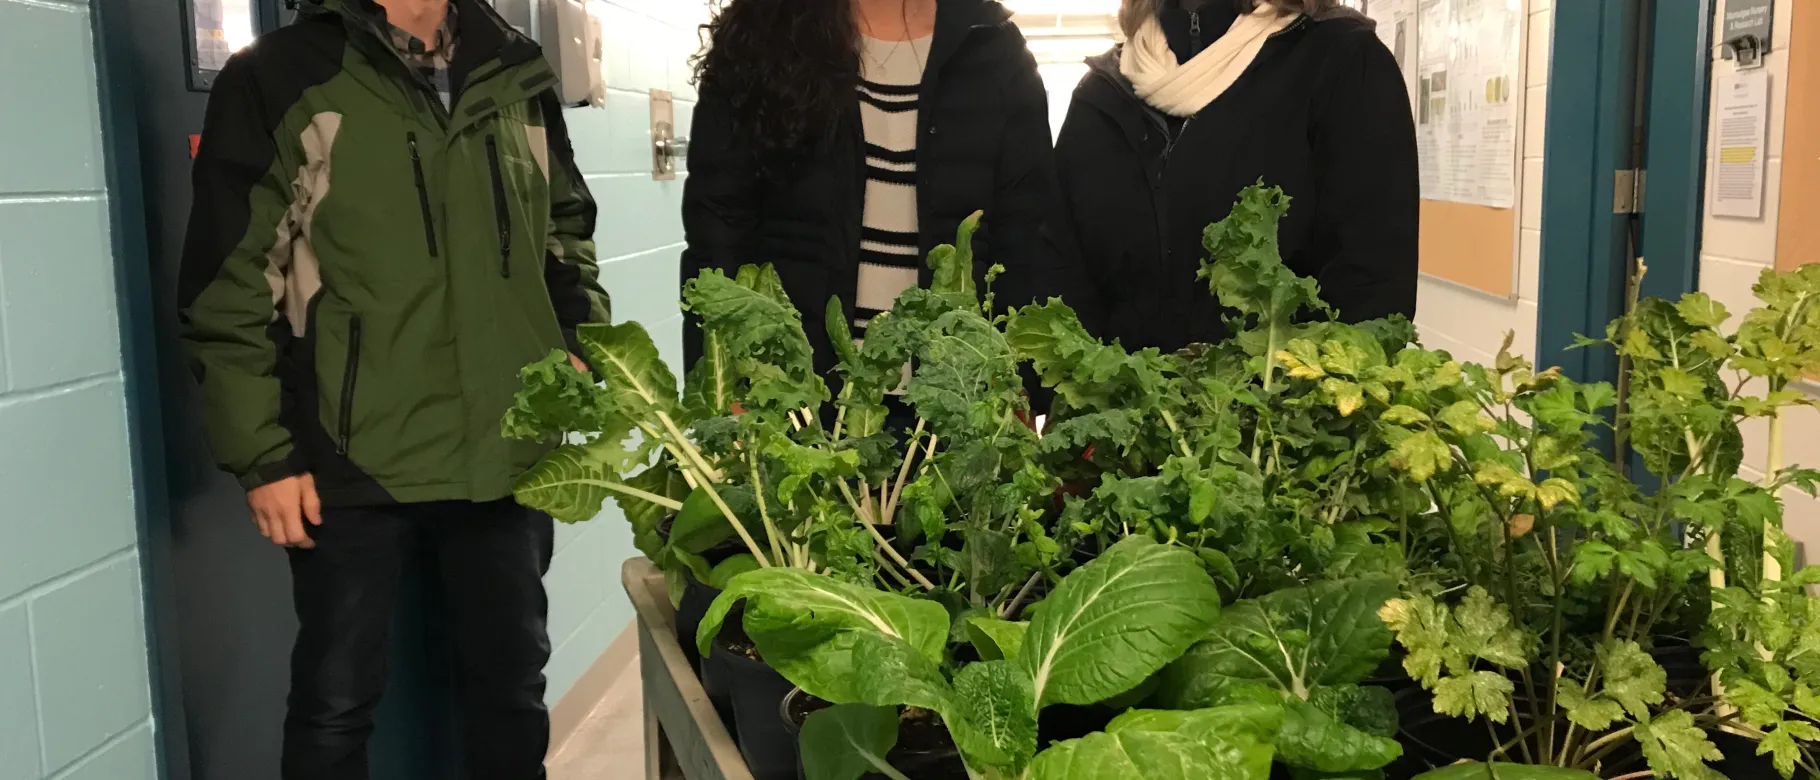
(388, 224)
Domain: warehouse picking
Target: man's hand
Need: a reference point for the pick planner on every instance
(579, 364)
(281, 508)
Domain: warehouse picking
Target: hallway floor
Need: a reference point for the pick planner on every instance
(610, 743)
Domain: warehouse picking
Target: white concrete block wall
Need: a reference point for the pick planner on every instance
(639, 237)
(75, 695)
(1471, 324)
(1735, 252)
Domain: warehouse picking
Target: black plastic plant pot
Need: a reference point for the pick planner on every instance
(757, 691)
(696, 599)
(924, 750)
(717, 682)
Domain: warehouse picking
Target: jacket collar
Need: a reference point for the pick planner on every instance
(954, 21)
(481, 33)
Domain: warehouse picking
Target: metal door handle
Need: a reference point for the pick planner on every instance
(671, 148)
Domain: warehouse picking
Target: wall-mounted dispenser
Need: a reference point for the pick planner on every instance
(570, 33)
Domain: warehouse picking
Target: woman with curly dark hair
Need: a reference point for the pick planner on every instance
(841, 140)
(1209, 96)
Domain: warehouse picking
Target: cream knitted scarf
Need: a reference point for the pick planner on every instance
(1184, 88)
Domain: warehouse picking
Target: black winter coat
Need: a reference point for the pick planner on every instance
(983, 144)
(1322, 112)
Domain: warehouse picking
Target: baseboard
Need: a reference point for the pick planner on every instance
(592, 686)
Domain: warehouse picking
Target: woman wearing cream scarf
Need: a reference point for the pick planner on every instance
(1207, 97)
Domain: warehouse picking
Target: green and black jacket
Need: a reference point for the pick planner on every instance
(367, 270)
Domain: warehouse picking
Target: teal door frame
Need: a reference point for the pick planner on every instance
(1628, 91)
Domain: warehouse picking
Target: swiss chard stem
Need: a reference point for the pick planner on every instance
(642, 495)
(764, 513)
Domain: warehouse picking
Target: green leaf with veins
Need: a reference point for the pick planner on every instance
(1633, 679)
(573, 481)
(993, 720)
(1292, 640)
(1127, 755)
(1475, 694)
(1314, 739)
(996, 639)
(847, 741)
(1595, 714)
(763, 336)
(1242, 738)
(790, 612)
(556, 400)
(708, 387)
(1115, 621)
(1675, 747)
(637, 381)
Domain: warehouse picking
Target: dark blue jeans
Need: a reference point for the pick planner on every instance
(489, 560)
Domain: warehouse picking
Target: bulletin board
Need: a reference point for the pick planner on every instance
(1798, 239)
(1462, 63)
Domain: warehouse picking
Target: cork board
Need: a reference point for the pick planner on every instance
(1474, 246)
(1798, 239)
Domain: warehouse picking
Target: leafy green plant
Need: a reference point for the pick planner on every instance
(1250, 452)
(1559, 576)
(742, 451)
(1106, 629)
(1305, 649)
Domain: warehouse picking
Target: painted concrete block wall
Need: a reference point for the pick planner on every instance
(647, 44)
(74, 691)
(1734, 252)
(1469, 323)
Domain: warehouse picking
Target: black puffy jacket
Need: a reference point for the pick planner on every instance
(983, 144)
(1322, 112)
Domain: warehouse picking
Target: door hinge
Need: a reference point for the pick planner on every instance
(1627, 191)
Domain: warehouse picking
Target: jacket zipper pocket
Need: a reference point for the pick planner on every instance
(345, 434)
(1194, 32)
(423, 194)
(502, 212)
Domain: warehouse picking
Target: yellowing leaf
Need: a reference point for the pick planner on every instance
(1302, 360)
(1466, 419)
(1347, 396)
(1475, 694)
(1592, 714)
(1421, 456)
(1556, 491)
(1403, 415)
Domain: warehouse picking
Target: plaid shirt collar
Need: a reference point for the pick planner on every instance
(431, 59)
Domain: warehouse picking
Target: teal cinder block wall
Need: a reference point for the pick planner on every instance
(74, 692)
(647, 45)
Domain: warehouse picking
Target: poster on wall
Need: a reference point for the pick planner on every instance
(1461, 60)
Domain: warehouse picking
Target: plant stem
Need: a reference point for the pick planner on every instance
(688, 449)
(1017, 602)
(885, 545)
(738, 527)
(758, 489)
(667, 503)
(903, 472)
(1586, 753)
(1169, 420)
(1772, 471)
(1270, 365)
